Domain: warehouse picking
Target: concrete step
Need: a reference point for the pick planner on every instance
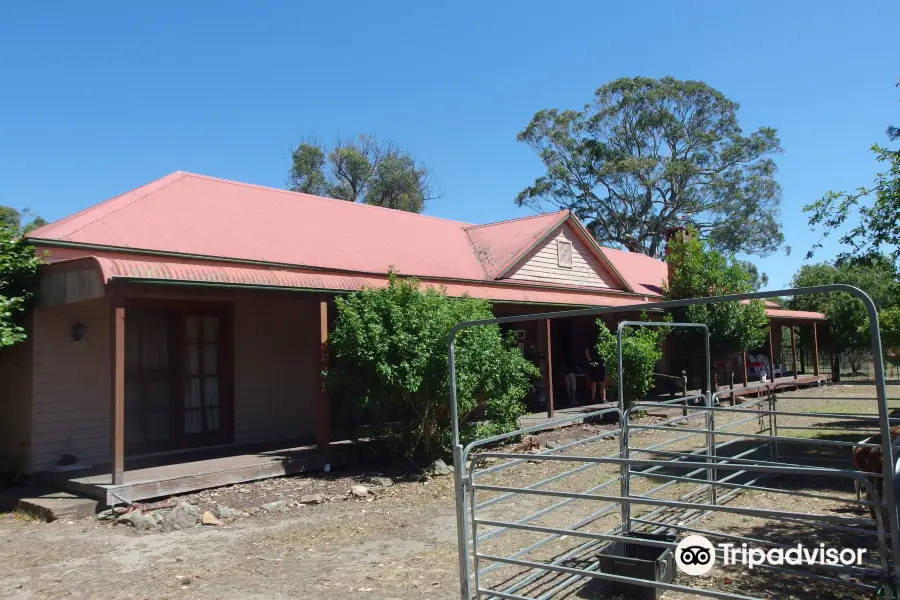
(52, 505)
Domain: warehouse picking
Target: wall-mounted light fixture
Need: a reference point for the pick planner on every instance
(78, 331)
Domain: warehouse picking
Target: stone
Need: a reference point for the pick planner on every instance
(224, 512)
(209, 519)
(274, 506)
(552, 445)
(58, 505)
(252, 510)
(139, 520)
(359, 491)
(384, 482)
(439, 468)
(183, 516)
(312, 499)
(106, 515)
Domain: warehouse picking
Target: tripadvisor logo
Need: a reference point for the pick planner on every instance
(696, 555)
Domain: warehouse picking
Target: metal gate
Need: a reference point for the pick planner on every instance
(539, 523)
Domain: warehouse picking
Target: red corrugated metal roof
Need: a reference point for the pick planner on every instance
(221, 274)
(498, 245)
(185, 272)
(193, 214)
(781, 313)
(184, 213)
(643, 273)
(349, 245)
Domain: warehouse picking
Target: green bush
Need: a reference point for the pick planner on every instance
(640, 353)
(388, 356)
(18, 279)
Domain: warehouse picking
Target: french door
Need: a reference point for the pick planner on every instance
(178, 378)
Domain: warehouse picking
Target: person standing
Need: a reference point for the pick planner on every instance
(596, 373)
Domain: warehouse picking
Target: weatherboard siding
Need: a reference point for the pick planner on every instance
(542, 264)
(71, 384)
(15, 407)
(276, 353)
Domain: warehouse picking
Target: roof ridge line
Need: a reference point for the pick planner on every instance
(315, 197)
(180, 175)
(516, 219)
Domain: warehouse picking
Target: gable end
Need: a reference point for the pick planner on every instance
(547, 263)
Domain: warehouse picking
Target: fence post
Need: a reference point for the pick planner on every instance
(773, 425)
(684, 393)
(731, 389)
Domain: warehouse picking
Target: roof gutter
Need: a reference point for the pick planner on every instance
(279, 265)
(276, 288)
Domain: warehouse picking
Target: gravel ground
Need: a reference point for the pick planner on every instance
(400, 541)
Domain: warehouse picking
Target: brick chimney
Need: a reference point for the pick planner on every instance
(678, 233)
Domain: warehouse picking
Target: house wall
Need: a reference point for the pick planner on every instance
(275, 368)
(15, 414)
(71, 384)
(542, 264)
(276, 354)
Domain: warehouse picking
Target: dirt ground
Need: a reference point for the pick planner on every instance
(401, 542)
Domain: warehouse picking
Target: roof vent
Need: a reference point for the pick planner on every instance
(564, 253)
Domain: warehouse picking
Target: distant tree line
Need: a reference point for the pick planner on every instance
(363, 170)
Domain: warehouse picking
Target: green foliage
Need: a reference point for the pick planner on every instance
(848, 323)
(889, 322)
(307, 175)
(361, 170)
(701, 272)
(18, 278)
(389, 357)
(877, 207)
(20, 222)
(640, 352)
(650, 154)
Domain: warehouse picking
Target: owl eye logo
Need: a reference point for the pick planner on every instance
(695, 555)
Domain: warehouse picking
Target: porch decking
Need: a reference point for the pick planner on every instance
(157, 477)
(726, 394)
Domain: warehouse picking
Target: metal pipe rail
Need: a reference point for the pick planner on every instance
(603, 511)
(672, 510)
(798, 517)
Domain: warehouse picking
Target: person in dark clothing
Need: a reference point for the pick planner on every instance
(596, 373)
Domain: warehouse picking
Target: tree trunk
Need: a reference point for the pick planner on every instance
(835, 367)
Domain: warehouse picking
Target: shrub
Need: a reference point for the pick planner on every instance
(640, 353)
(389, 357)
(18, 278)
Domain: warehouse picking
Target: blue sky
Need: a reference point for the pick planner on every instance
(97, 98)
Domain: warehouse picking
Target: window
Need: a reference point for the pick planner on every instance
(564, 253)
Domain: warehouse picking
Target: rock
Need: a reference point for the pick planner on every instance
(120, 510)
(106, 515)
(252, 510)
(360, 491)
(312, 499)
(139, 520)
(224, 512)
(384, 482)
(552, 445)
(183, 516)
(209, 519)
(439, 468)
(274, 506)
(184, 579)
